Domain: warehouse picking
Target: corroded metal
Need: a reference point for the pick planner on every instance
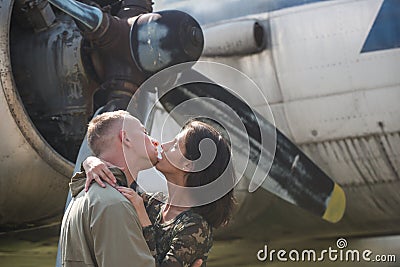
(33, 180)
(59, 102)
(89, 16)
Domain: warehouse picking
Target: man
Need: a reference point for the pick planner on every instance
(100, 227)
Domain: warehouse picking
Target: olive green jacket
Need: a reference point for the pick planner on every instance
(101, 228)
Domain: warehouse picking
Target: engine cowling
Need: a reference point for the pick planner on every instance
(241, 37)
(34, 177)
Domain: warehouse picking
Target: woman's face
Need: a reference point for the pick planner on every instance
(173, 160)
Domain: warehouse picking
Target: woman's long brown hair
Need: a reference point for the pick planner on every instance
(218, 212)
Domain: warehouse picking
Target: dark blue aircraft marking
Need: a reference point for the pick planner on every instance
(385, 32)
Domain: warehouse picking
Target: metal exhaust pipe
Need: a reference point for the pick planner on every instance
(89, 16)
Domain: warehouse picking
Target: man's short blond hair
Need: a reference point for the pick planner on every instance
(101, 128)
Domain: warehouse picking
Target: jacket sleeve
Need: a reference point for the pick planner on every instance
(118, 238)
(193, 241)
(149, 233)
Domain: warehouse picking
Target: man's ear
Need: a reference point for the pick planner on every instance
(123, 137)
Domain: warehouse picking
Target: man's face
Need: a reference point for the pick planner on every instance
(142, 149)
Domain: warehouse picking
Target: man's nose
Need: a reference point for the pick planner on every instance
(155, 142)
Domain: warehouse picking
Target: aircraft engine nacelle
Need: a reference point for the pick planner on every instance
(34, 177)
(231, 38)
(55, 71)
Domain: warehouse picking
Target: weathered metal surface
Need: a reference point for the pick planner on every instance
(359, 161)
(319, 53)
(52, 82)
(37, 14)
(29, 166)
(89, 16)
(343, 115)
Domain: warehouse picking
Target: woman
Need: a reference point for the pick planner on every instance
(177, 235)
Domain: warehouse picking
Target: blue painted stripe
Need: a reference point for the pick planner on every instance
(385, 32)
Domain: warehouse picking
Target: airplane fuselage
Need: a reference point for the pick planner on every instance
(329, 71)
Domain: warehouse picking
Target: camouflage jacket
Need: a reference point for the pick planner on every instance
(180, 241)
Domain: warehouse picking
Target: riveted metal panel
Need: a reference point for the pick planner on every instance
(319, 53)
(367, 161)
(352, 114)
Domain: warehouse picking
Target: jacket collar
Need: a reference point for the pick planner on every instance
(77, 183)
